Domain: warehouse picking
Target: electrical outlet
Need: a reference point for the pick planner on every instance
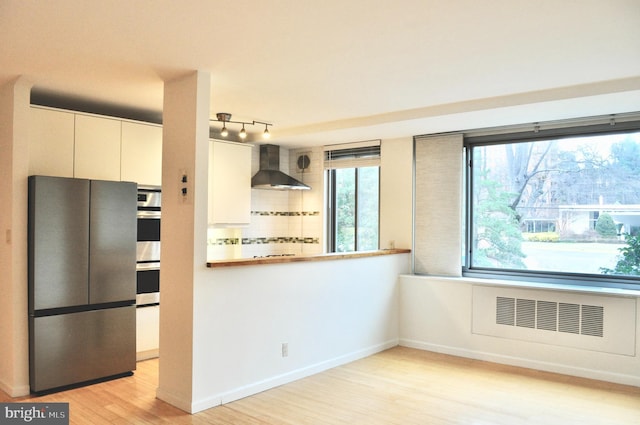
(285, 349)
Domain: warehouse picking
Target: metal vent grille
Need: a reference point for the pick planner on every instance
(505, 311)
(547, 315)
(592, 318)
(556, 318)
(526, 313)
(569, 319)
(550, 316)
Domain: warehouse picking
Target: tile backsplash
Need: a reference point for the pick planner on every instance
(282, 222)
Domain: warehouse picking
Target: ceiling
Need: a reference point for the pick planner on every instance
(335, 71)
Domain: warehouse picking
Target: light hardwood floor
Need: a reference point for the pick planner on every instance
(397, 386)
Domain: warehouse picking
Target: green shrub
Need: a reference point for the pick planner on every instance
(542, 237)
(605, 226)
(629, 258)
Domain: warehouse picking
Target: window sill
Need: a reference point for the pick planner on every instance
(584, 289)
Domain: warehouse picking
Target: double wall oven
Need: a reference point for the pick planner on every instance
(148, 246)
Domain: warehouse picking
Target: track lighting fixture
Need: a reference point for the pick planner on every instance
(225, 118)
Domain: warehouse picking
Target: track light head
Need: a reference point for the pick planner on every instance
(223, 116)
(243, 133)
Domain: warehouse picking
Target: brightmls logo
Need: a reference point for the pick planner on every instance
(34, 413)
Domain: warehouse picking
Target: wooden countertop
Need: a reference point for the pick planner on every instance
(298, 258)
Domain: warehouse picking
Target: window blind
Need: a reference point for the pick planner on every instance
(438, 205)
(352, 155)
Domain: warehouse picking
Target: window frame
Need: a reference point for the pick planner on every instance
(504, 137)
(331, 210)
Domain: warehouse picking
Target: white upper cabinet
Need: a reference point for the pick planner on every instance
(141, 160)
(51, 142)
(97, 148)
(69, 144)
(229, 184)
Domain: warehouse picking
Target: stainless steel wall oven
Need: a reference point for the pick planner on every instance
(148, 246)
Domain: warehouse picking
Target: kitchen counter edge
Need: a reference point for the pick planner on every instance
(299, 258)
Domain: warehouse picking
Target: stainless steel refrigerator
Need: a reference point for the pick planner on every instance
(82, 281)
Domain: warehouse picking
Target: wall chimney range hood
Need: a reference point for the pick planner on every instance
(269, 175)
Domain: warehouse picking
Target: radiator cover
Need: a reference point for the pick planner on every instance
(589, 322)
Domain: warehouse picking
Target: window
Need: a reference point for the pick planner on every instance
(562, 203)
(352, 178)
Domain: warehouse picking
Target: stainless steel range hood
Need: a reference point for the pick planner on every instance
(269, 176)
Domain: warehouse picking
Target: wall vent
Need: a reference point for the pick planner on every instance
(550, 316)
(560, 318)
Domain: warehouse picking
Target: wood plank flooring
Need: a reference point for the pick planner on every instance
(398, 386)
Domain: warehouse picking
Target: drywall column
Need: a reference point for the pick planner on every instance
(396, 193)
(14, 168)
(185, 156)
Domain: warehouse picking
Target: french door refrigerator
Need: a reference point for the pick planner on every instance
(82, 281)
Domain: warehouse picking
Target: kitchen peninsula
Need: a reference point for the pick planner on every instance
(259, 327)
(301, 258)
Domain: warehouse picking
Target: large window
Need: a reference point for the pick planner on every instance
(352, 178)
(565, 204)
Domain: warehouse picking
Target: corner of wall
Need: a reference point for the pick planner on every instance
(436, 315)
(14, 163)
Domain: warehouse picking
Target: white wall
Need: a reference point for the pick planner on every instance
(308, 201)
(185, 151)
(436, 315)
(14, 165)
(396, 193)
(329, 313)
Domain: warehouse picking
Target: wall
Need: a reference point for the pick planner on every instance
(329, 313)
(309, 224)
(396, 193)
(436, 315)
(185, 151)
(14, 124)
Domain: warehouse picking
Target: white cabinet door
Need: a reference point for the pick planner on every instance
(141, 160)
(97, 148)
(229, 184)
(147, 332)
(51, 142)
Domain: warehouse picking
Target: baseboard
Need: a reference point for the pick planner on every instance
(563, 369)
(11, 391)
(174, 400)
(146, 355)
(294, 375)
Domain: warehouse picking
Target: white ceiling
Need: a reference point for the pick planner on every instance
(335, 71)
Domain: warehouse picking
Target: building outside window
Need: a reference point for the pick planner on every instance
(352, 188)
(557, 203)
